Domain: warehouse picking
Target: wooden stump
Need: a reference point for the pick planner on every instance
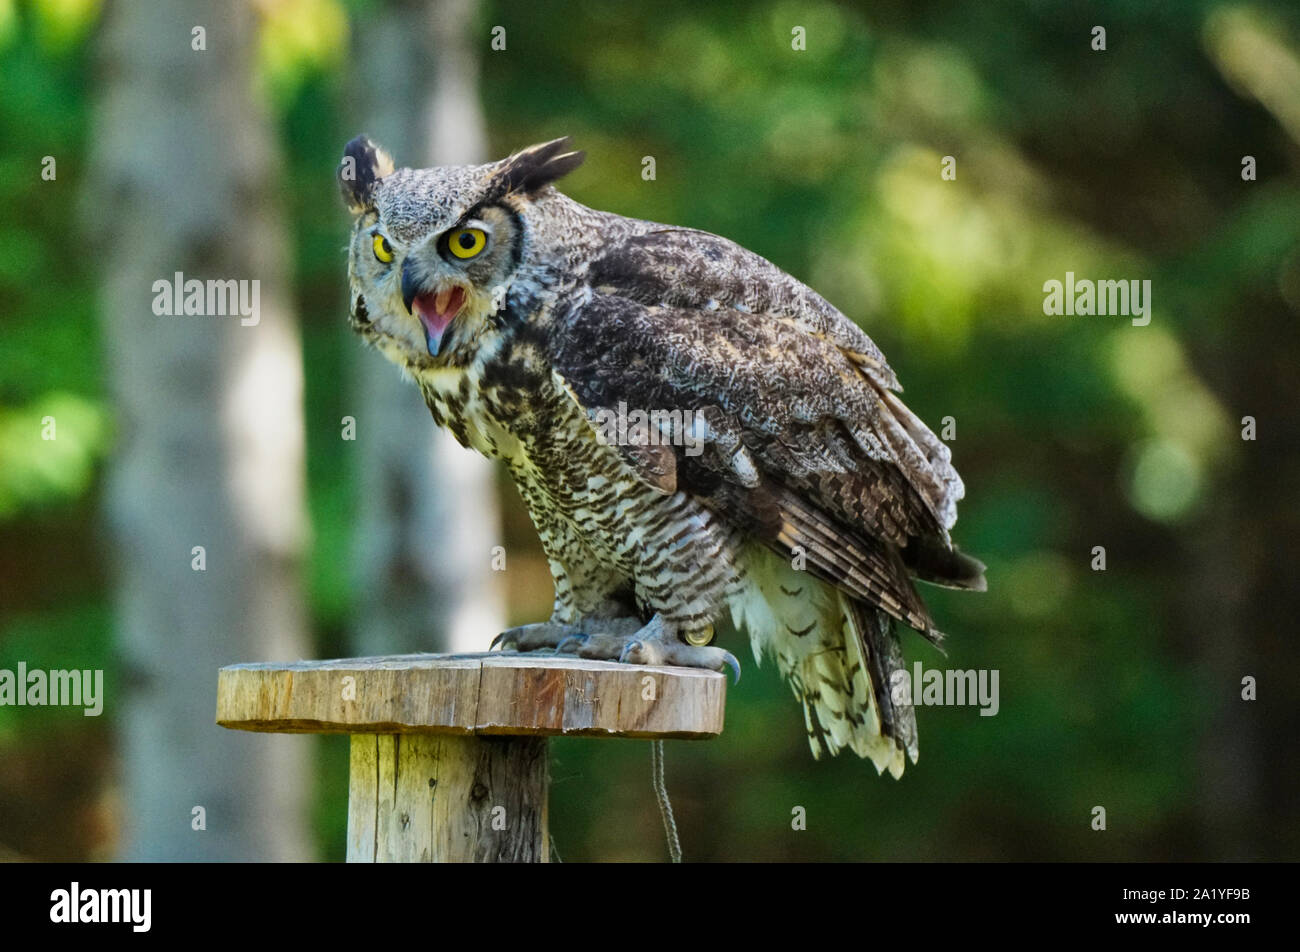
(449, 752)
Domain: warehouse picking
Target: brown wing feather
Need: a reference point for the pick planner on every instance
(872, 572)
(807, 444)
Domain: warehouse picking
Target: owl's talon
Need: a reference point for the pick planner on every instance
(627, 650)
(730, 661)
(563, 646)
(543, 634)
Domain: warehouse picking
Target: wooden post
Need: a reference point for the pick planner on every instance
(449, 752)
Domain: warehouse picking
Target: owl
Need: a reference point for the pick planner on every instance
(701, 440)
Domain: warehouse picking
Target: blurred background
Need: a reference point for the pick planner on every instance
(194, 442)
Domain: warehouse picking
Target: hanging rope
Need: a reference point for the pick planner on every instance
(661, 793)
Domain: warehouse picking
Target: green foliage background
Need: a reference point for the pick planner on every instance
(1071, 432)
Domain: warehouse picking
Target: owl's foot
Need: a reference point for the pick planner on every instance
(561, 636)
(618, 639)
(542, 634)
(656, 642)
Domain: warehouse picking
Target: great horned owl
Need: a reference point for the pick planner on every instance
(780, 481)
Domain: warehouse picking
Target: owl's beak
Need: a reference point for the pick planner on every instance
(436, 309)
(411, 285)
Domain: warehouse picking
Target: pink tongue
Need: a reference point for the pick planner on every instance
(435, 321)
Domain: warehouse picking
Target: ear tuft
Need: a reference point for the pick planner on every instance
(538, 166)
(363, 165)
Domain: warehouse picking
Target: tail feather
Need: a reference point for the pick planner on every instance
(838, 655)
(941, 565)
(885, 663)
(846, 692)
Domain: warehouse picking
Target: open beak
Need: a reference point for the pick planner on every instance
(436, 308)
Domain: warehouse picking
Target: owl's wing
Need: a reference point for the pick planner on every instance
(807, 444)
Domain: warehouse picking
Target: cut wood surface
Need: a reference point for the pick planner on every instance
(487, 693)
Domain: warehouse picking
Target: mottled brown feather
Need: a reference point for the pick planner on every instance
(845, 472)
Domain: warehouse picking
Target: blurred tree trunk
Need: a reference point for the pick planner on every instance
(428, 513)
(210, 440)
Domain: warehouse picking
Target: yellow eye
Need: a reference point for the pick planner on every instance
(383, 250)
(466, 242)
